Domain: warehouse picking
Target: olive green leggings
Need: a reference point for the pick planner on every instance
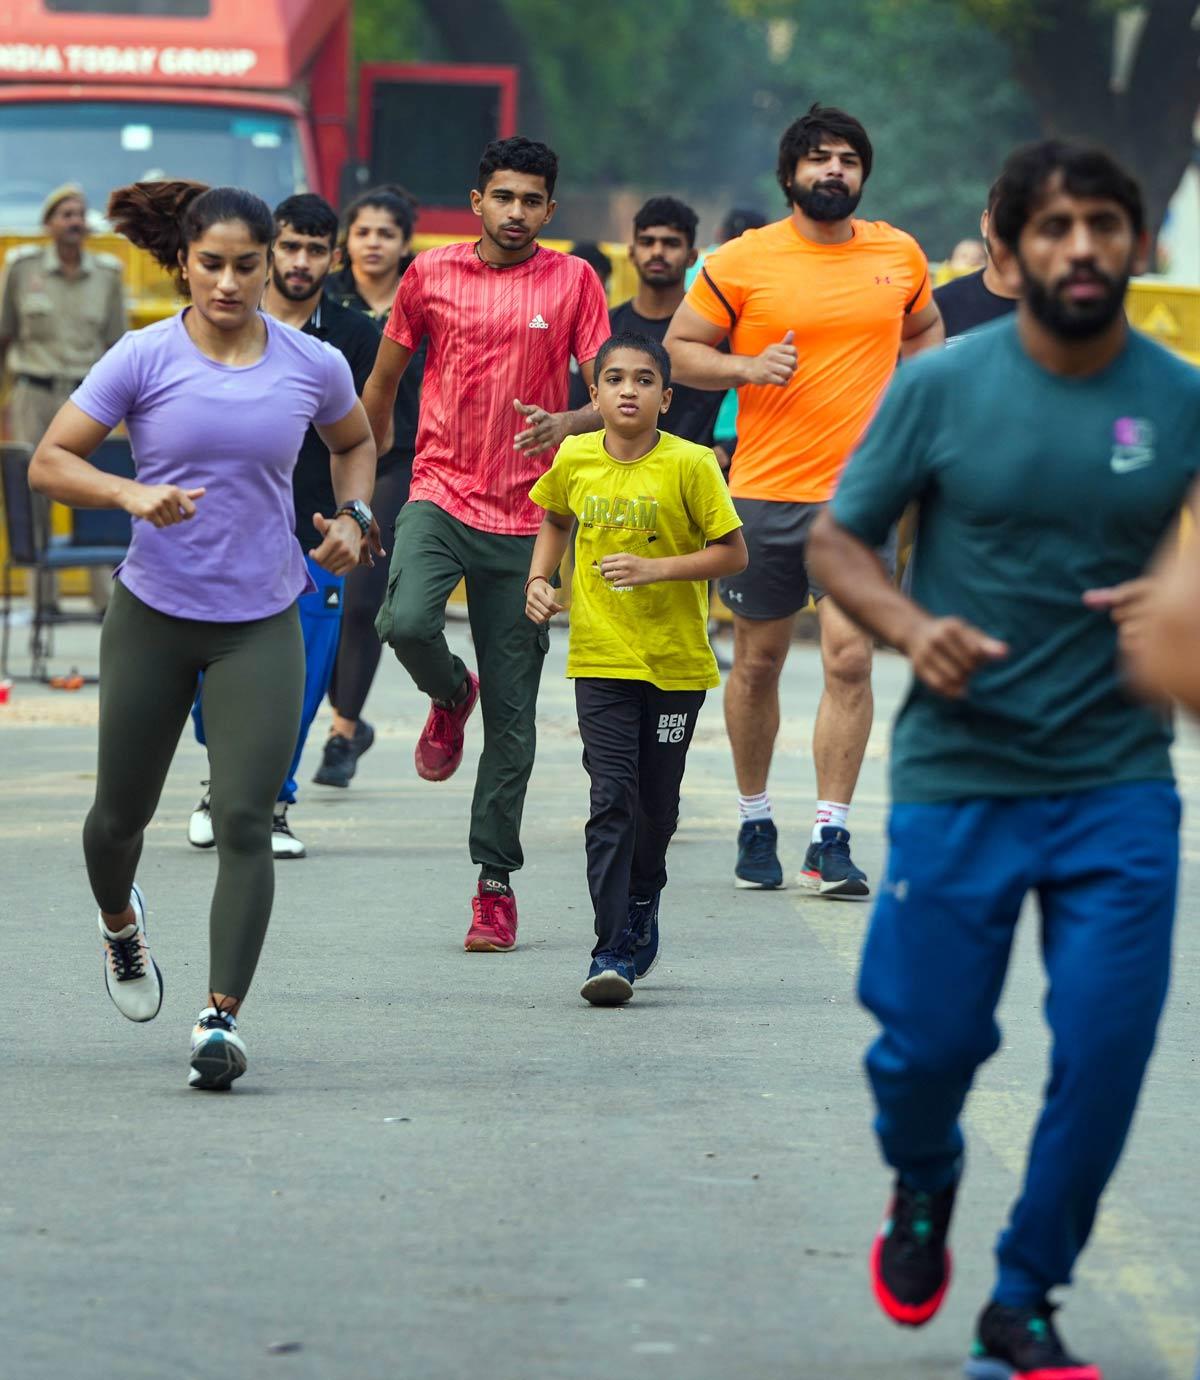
(253, 687)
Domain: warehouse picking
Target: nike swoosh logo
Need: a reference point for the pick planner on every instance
(1123, 464)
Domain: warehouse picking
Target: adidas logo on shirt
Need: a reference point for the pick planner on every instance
(539, 323)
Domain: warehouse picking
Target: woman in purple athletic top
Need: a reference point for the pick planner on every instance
(216, 401)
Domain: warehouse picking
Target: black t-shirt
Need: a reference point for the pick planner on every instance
(343, 289)
(693, 411)
(967, 302)
(357, 338)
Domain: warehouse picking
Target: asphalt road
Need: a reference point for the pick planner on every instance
(444, 1165)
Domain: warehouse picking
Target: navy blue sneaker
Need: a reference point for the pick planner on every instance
(643, 929)
(339, 759)
(1011, 1343)
(829, 869)
(758, 866)
(609, 980)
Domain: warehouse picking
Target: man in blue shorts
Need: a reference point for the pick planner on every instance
(1049, 455)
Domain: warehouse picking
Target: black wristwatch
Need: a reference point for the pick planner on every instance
(359, 511)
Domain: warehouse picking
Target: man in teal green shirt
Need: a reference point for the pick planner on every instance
(1049, 455)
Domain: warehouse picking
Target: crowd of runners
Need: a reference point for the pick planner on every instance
(309, 489)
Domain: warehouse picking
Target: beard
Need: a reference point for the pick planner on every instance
(1075, 320)
(661, 277)
(825, 201)
(295, 292)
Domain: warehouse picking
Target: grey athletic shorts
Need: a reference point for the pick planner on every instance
(776, 583)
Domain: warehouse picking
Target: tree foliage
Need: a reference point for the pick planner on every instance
(692, 98)
(385, 31)
(934, 89)
(1125, 76)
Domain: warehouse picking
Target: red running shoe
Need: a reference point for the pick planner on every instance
(493, 920)
(910, 1261)
(440, 746)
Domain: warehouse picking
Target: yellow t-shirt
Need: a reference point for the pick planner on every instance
(671, 502)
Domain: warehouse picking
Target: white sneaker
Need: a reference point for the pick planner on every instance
(131, 975)
(200, 830)
(284, 844)
(218, 1051)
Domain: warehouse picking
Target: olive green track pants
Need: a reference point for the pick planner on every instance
(252, 691)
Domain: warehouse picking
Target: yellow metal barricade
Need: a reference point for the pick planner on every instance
(1169, 313)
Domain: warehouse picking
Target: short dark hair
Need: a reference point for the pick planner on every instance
(309, 214)
(397, 201)
(522, 155)
(806, 133)
(671, 212)
(1086, 171)
(591, 253)
(739, 220)
(643, 344)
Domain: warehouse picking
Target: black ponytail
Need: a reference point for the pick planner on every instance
(163, 218)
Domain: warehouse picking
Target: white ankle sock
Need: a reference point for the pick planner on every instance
(830, 815)
(751, 807)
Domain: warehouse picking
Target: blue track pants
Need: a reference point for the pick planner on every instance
(1104, 865)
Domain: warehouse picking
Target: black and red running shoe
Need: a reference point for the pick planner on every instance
(1023, 1344)
(910, 1262)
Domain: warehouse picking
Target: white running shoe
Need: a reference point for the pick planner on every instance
(131, 975)
(284, 844)
(218, 1051)
(200, 830)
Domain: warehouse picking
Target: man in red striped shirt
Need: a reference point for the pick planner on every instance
(502, 317)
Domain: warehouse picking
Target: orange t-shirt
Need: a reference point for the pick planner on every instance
(846, 304)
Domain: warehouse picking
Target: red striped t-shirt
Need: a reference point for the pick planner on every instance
(494, 335)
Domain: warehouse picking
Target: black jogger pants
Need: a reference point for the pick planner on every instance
(635, 743)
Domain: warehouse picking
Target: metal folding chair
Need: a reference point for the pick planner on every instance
(98, 538)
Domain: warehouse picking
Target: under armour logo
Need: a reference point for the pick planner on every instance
(671, 727)
(539, 323)
(879, 282)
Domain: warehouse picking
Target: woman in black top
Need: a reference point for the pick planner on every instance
(378, 234)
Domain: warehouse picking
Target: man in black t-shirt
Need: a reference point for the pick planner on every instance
(386, 219)
(663, 249)
(980, 297)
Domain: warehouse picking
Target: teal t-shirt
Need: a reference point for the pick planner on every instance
(725, 427)
(1031, 489)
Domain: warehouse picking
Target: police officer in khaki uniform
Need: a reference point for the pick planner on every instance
(60, 309)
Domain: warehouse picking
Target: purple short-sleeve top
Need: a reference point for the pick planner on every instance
(234, 432)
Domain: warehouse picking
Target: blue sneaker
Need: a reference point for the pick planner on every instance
(609, 980)
(758, 866)
(643, 930)
(829, 870)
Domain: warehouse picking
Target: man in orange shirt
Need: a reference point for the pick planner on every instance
(816, 308)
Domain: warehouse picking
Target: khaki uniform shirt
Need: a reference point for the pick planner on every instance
(58, 327)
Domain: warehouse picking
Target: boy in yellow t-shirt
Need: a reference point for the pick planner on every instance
(655, 525)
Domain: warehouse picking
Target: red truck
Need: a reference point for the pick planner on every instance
(254, 93)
